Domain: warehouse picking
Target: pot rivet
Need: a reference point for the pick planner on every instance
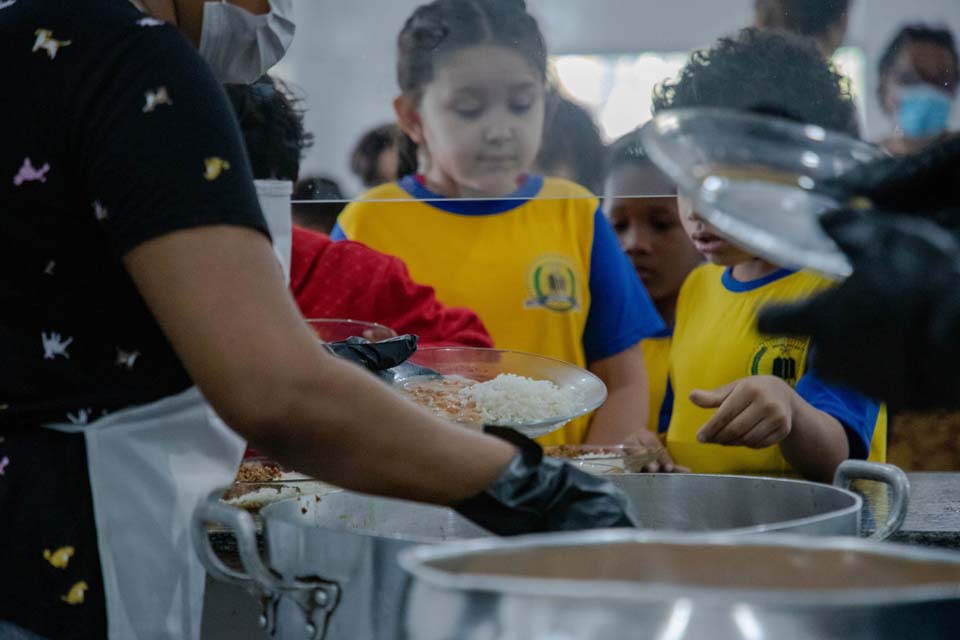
(311, 629)
(263, 620)
(320, 598)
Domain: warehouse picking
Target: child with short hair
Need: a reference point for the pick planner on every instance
(641, 204)
(745, 402)
(533, 256)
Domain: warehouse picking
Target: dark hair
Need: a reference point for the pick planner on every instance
(319, 216)
(272, 127)
(317, 188)
(764, 71)
(805, 17)
(571, 137)
(627, 151)
(915, 33)
(443, 27)
(366, 155)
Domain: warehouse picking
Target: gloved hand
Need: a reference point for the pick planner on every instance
(892, 330)
(923, 184)
(537, 494)
(375, 356)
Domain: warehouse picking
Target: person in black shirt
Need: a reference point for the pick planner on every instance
(136, 264)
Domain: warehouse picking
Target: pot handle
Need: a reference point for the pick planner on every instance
(240, 523)
(894, 477)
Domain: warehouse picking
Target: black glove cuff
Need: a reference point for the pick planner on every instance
(537, 494)
(375, 356)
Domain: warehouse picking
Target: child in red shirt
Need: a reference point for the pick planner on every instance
(349, 280)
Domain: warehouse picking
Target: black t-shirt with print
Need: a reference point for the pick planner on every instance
(112, 132)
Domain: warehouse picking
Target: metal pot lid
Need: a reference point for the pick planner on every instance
(760, 181)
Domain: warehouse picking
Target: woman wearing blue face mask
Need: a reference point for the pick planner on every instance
(919, 75)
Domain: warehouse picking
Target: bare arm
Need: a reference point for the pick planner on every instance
(623, 417)
(817, 444)
(763, 411)
(624, 414)
(218, 294)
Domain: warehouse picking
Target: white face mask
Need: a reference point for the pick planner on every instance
(240, 46)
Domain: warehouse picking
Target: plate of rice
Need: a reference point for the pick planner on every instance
(532, 394)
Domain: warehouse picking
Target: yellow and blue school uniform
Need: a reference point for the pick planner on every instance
(656, 358)
(715, 342)
(541, 267)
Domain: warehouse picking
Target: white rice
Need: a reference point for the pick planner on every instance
(510, 399)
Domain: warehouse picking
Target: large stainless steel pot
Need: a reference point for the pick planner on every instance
(331, 554)
(332, 560)
(748, 505)
(624, 584)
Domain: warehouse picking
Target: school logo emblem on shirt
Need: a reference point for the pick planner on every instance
(780, 357)
(552, 284)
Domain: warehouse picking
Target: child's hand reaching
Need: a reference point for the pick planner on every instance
(664, 463)
(755, 412)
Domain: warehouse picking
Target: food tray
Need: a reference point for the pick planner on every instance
(604, 459)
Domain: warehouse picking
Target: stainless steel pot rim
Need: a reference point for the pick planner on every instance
(415, 560)
(286, 517)
(281, 517)
(854, 508)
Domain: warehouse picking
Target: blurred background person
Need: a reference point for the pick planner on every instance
(641, 204)
(825, 21)
(918, 75)
(572, 147)
(344, 279)
(317, 201)
(375, 159)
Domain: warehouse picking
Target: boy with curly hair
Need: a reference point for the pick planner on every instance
(745, 402)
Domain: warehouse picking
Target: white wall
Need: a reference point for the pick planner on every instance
(343, 57)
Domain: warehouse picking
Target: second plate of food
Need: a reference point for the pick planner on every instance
(532, 394)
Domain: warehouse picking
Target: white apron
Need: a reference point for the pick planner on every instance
(149, 467)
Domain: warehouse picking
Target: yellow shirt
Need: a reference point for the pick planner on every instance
(716, 342)
(656, 357)
(541, 268)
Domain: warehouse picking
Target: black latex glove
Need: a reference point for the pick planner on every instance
(925, 184)
(375, 356)
(892, 330)
(537, 494)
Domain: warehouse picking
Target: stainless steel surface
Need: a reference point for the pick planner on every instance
(617, 584)
(341, 548)
(748, 505)
(308, 598)
(853, 470)
(762, 182)
(933, 518)
(349, 542)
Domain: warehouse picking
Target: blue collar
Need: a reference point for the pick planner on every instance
(484, 207)
(736, 286)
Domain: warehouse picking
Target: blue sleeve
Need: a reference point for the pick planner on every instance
(337, 233)
(621, 313)
(856, 413)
